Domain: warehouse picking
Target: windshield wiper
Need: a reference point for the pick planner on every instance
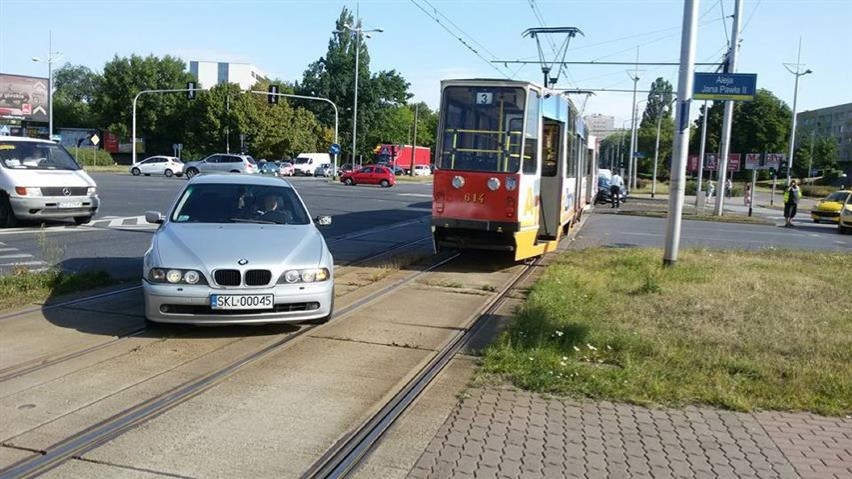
(244, 220)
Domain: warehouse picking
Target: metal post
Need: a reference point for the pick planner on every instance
(414, 143)
(701, 152)
(355, 102)
(774, 181)
(728, 118)
(228, 120)
(681, 141)
(632, 161)
(793, 127)
(656, 156)
(50, 86)
(751, 193)
(811, 159)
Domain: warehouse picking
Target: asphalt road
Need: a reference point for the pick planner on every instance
(118, 236)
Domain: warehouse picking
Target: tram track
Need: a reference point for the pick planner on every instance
(78, 444)
(347, 454)
(49, 360)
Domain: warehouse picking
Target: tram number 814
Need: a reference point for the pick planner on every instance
(474, 197)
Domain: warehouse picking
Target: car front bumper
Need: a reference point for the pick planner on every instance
(830, 216)
(166, 303)
(39, 207)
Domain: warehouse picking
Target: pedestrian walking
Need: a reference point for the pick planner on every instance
(729, 188)
(747, 195)
(615, 185)
(791, 202)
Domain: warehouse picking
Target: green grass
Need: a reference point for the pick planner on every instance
(107, 169)
(23, 287)
(746, 331)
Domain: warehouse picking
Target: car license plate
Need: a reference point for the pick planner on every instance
(243, 301)
(70, 204)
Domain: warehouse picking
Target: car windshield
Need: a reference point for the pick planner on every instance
(250, 160)
(236, 203)
(21, 155)
(838, 196)
(482, 129)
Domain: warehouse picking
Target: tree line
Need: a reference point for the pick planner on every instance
(759, 126)
(225, 114)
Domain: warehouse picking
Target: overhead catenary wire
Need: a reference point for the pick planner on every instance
(461, 40)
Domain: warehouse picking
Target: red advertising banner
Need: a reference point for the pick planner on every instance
(692, 163)
(711, 162)
(111, 142)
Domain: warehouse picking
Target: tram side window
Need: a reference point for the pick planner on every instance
(531, 135)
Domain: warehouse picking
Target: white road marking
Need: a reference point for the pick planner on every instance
(25, 263)
(16, 255)
(418, 195)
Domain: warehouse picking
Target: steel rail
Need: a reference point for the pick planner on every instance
(109, 429)
(345, 455)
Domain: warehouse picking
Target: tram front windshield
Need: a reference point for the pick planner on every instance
(482, 129)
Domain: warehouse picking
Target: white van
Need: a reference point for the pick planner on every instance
(307, 163)
(40, 180)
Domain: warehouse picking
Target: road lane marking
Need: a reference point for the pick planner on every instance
(15, 255)
(418, 195)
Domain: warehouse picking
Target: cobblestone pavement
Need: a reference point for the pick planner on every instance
(505, 432)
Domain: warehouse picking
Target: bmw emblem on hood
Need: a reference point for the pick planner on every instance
(242, 262)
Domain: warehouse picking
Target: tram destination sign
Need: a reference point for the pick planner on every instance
(725, 86)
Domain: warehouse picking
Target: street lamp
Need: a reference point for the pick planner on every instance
(797, 74)
(52, 57)
(620, 143)
(357, 32)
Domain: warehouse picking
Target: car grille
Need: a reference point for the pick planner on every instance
(827, 214)
(258, 277)
(227, 277)
(60, 191)
(207, 310)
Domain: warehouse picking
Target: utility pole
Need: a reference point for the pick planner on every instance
(681, 142)
(811, 159)
(701, 156)
(632, 161)
(228, 120)
(797, 74)
(728, 117)
(414, 142)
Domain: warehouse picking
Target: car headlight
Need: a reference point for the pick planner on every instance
(493, 184)
(175, 276)
(24, 191)
(311, 275)
(458, 182)
(92, 191)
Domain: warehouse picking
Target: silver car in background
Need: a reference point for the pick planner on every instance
(222, 163)
(236, 250)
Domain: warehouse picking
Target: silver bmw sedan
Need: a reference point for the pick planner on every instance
(237, 250)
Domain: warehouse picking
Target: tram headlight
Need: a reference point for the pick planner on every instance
(511, 183)
(458, 182)
(493, 184)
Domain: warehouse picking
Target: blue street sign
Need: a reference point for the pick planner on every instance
(724, 86)
(334, 149)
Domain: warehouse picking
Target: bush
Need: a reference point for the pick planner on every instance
(691, 187)
(86, 158)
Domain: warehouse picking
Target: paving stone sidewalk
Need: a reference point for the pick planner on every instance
(505, 432)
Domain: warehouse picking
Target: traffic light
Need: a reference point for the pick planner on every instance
(272, 98)
(190, 87)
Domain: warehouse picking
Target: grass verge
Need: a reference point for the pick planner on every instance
(24, 287)
(726, 218)
(107, 169)
(739, 330)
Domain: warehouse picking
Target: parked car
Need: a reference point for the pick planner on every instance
(187, 278)
(286, 169)
(828, 208)
(844, 224)
(270, 168)
(40, 180)
(370, 175)
(324, 170)
(422, 170)
(158, 165)
(222, 163)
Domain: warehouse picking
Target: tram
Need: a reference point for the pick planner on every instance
(513, 168)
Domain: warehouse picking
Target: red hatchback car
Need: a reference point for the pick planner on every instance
(370, 175)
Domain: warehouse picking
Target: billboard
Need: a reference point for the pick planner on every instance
(711, 162)
(23, 98)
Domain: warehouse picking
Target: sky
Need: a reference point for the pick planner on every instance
(282, 37)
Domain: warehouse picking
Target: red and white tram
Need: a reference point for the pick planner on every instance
(513, 169)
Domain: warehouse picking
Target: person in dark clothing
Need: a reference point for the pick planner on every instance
(791, 202)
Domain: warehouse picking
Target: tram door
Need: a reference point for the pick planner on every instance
(551, 179)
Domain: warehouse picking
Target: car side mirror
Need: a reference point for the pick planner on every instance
(154, 217)
(323, 220)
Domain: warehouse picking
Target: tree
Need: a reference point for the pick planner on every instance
(823, 150)
(659, 102)
(75, 87)
(161, 118)
(333, 77)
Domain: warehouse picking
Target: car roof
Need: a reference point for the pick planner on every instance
(26, 139)
(234, 179)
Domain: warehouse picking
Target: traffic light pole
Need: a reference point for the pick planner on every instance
(314, 98)
(135, 98)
